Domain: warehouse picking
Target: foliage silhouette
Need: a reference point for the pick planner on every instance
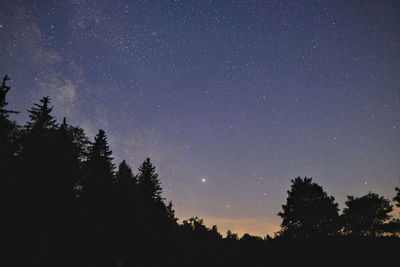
(365, 216)
(3, 93)
(309, 212)
(40, 117)
(148, 180)
(9, 147)
(64, 205)
(397, 197)
(231, 236)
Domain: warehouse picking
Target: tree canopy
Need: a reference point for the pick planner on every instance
(365, 216)
(309, 212)
(397, 197)
(40, 117)
(148, 180)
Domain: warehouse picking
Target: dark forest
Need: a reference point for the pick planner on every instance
(65, 203)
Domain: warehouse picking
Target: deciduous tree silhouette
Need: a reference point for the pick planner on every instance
(231, 236)
(365, 216)
(309, 212)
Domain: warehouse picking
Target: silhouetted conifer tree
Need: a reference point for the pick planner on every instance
(171, 213)
(3, 103)
(309, 212)
(100, 169)
(124, 176)
(99, 204)
(9, 148)
(365, 216)
(40, 117)
(148, 180)
(50, 167)
(9, 138)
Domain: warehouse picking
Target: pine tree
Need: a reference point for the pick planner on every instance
(40, 118)
(98, 199)
(100, 169)
(69, 152)
(124, 175)
(3, 92)
(50, 168)
(148, 180)
(171, 213)
(9, 146)
(9, 135)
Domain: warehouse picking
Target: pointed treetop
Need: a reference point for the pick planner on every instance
(3, 92)
(124, 175)
(100, 146)
(148, 180)
(64, 125)
(40, 117)
(100, 165)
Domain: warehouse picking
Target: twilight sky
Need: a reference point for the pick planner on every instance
(230, 99)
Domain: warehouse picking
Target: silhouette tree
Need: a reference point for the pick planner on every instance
(231, 236)
(3, 93)
(250, 238)
(148, 181)
(50, 168)
(99, 167)
(9, 138)
(171, 213)
(98, 213)
(80, 149)
(196, 227)
(309, 212)
(397, 197)
(40, 117)
(9, 147)
(124, 176)
(365, 216)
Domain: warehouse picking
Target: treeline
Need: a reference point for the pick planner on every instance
(65, 203)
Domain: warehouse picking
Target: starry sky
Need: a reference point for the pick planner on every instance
(230, 99)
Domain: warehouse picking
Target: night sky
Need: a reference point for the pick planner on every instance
(230, 99)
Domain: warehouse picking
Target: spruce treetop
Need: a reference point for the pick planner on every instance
(40, 117)
(3, 92)
(124, 175)
(148, 180)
